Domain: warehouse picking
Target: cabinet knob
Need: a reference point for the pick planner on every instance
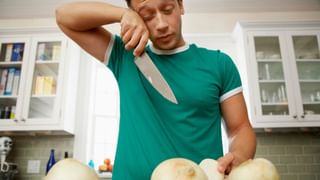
(15, 120)
(295, 116)
(23, 120)
(303, 115)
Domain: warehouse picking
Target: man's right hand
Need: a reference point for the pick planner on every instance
(134, 32)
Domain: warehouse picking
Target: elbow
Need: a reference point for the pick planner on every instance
(64, 16)
(58, 14)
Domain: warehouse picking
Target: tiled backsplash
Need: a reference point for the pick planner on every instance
(295, 154)
(38, 148)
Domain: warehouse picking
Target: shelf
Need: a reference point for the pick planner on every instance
(272, 81)
(309, 81)
(269, 60)
(47, 62)
(308, 60)
(9, 97)
(16, 64)
(275, 104)
(311, 103)
(43, 96)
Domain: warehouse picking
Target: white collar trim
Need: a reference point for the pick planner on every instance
(169, 52)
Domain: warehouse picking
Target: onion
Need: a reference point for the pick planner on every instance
(259, 168)
(210, 167)
(178, 169)
(70, 169)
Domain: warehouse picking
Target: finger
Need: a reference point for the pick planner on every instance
(142, 44)
(127, 36)
(225, 163)
(124, 29)
(135, 39)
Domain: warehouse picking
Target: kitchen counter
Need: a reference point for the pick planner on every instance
(105, 176)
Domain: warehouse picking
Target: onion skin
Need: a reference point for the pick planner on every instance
(71, 169)
(256, 169)
(178, 169)
(210, 167)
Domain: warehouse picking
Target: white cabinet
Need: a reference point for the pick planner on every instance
(280, 68)
(38, 82)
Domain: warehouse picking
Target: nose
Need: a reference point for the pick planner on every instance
(162, 23)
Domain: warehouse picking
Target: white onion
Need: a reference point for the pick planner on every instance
(178, 169)
(70, 169)
(210, 167)
(256, 169)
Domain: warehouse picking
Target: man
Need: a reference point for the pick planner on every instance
(205, 83)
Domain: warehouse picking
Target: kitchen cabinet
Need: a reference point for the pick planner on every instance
(279, 63)
(38, 81)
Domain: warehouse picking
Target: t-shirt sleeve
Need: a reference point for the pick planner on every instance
(115, 54)
(231, 81)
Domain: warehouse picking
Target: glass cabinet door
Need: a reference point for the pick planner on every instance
(44, 80)
(307, 57)
(271, 80)
(12, 57)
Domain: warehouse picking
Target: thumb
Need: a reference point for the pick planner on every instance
(225, 163)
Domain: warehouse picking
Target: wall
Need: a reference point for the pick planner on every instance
(295, 154)
(225, 22)
(38, 148)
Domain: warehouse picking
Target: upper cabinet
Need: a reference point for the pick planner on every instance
(280, 68)
(38, 82)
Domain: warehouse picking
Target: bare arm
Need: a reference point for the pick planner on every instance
(241, 135)
(83, 21)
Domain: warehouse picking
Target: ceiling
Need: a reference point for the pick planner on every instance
(45, 8)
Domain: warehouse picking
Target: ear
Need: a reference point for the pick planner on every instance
(180, 2)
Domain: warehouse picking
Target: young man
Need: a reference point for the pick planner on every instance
(205, 83)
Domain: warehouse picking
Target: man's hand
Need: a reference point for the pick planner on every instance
(225, 163)
(229, 161)
(134, 32)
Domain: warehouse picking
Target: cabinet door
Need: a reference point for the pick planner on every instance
(43, 89)
(274, 101)
(14, 52)
(304, 48)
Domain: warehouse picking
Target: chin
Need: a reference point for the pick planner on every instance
(166, 46)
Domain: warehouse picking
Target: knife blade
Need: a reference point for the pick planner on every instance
(153, 75)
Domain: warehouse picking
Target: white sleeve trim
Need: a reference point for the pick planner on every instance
(230, 93)
(109, 50)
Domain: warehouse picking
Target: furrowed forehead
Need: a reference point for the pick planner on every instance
(140, 4)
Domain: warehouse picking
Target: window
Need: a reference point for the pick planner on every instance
(105, 114)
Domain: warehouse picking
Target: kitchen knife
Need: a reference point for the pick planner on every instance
(153, 75)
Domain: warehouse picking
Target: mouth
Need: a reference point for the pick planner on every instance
(166, 37)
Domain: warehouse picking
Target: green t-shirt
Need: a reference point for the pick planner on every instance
(153, 129)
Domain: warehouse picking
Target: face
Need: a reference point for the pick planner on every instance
(163, 20)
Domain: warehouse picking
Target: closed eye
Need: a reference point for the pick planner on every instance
(168, 10)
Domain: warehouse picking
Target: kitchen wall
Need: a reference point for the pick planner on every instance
(38, 148)
(295, 154)
(225, 22)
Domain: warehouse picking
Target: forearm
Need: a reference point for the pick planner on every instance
(83, 16)
(242, 144)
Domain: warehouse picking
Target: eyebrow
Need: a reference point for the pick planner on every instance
(141, 7)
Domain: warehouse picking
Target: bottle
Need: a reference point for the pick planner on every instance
(13, 112)
(66, 155)
(51, 161)
(91, 164)
(267, 71)
(7, 112)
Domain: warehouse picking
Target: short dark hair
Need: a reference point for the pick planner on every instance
(128, 2)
